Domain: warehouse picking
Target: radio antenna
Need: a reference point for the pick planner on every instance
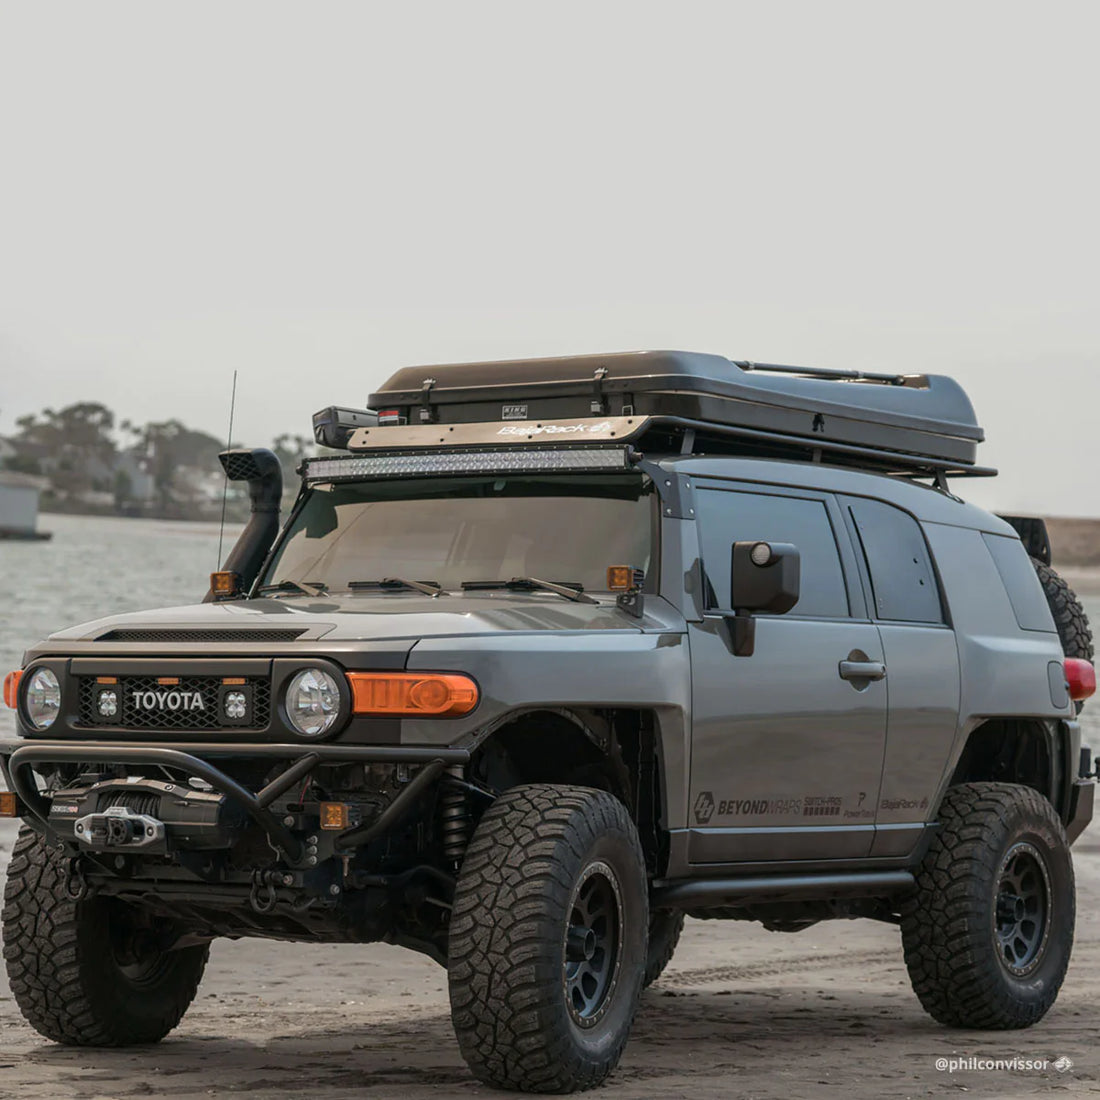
(225, 482)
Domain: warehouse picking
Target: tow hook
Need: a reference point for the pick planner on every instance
(262, 896)
(76, 885)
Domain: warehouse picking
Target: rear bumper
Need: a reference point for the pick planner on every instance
(19, 758)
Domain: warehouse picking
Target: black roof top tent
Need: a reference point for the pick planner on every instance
(920, 425)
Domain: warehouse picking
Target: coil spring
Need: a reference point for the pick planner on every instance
(454, 815)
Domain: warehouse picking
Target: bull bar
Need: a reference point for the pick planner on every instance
(17, 760)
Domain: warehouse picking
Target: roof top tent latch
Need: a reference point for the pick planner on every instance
(599, 400)
(823, 372)
(427, 413)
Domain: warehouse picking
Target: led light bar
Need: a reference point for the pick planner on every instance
(434, 463)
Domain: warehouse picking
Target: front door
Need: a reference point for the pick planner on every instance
(788, 743)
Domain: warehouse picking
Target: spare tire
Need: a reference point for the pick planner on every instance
(1069, 616)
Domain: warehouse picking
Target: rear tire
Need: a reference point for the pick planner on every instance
(1070, 619)
(548, 939)
(989, 931)
(665, 927)
(88, 973)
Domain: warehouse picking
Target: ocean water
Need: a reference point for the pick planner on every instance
(95, 566)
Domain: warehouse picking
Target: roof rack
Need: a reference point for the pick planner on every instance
(908, 425)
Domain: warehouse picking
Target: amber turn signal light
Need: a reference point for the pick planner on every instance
(412, 694)
(624, 578)
(334, 815)
(11, 686)
(9, 804)
(225, 583)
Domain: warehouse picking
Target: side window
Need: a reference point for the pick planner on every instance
(898, 562)
(727, 516)
(1021, 582)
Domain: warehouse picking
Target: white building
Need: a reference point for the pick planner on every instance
(19, 505)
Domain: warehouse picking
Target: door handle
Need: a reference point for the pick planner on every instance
(862, 670)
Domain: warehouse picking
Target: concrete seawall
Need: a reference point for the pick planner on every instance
(1075, 548)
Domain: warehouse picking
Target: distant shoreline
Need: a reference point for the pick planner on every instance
(1075, 543)
(202, 520)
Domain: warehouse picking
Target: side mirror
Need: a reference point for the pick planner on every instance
(764, 576)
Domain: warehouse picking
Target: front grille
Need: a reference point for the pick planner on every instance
(209, 717)
(268, 634)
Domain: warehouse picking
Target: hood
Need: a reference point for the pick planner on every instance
(394, 615)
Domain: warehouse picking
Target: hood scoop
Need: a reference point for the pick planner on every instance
(178, 634)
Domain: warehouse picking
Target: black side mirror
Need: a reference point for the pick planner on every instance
(764, 576)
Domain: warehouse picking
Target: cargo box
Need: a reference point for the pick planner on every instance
(916, 422)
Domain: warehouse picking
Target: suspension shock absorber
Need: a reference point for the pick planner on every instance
(454, 814)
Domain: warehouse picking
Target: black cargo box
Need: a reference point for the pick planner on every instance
(924, 419)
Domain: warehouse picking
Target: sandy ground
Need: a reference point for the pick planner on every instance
(740, 1013)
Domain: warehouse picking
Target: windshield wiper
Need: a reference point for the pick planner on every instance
(429, 588)
(574, 592)
(308, 588)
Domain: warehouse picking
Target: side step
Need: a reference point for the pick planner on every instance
(720, 893)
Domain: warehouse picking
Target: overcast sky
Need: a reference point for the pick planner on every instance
(318, 193)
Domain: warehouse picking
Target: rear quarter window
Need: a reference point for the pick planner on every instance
(1025, 593)
(903, 581)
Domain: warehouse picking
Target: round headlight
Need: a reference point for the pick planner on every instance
(312, 702)
(42, 699)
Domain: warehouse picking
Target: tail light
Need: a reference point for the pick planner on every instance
(1080, 678)
(412, 694)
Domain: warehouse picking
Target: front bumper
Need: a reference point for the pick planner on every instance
(18, 760)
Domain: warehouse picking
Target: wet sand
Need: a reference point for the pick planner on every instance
(741, 1012)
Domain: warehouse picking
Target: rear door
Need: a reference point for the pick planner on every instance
(922, 662)
(787, 745)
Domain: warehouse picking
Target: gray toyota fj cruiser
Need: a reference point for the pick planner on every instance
(548, 654)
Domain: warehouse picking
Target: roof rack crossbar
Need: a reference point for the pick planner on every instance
(899, 462)
(823, 372)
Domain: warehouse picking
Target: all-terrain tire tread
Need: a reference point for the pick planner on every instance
(41, 947)
(665, 928)
(943, 930)
(1070, 619)
(503, 985)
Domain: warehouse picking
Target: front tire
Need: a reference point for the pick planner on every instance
(548, 939)
(90, 972)
(989, 931)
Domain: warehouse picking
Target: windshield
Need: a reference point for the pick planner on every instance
(566, 529)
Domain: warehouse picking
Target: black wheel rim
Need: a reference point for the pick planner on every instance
(1022, 914)
(135, 947)
(592, 951)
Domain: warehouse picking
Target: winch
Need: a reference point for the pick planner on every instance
(152, 815)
